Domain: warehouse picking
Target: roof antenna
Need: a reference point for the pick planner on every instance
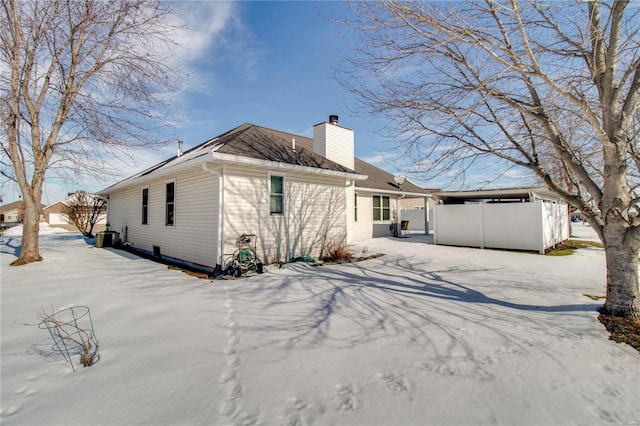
(179, 147)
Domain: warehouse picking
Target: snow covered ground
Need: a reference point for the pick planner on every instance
(423, 335)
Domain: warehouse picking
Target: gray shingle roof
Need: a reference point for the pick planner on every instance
(261, 143)
(256, 142)
(380, 179)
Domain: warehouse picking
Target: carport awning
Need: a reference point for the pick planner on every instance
(524, 193)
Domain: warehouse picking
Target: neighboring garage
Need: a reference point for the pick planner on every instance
(530, 218)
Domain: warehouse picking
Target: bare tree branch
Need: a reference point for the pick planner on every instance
(84, 210)
(81, 84)
(552, 88)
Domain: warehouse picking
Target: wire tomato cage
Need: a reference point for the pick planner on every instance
(71, 330)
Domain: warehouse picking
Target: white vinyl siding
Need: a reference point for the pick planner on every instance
(193, 237)
(364, 225)
(351, 213)
(335, 143)
(314, 214)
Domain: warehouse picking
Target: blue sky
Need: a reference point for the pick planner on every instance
(273, 66)
(263, 62)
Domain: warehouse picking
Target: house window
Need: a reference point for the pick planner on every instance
(381, 208)
(355, 207)
(145, 206)
(276, 192)
(170, 204)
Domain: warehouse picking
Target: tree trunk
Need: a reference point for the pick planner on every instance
(89, 233)
(622, 282)
(30, 250)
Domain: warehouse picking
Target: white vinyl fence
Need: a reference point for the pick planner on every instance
(417, 219)
(532, 226)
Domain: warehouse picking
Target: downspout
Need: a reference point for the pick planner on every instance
(351, 219)
(220, 176)
(398, 230)
(436, 203)
(426, 214)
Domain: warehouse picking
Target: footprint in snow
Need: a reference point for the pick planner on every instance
(234, 390)
(9, 411)
(229, 379)
(234, 340)
(344, 398)
(25, 391)
(246, 419)
(228, 376)
(486, 360)
(611, 391)
(298, 413)
(394, 382)
(472, 366)
(610, 417)
(512, 350)
(228, 407)
(233, 361)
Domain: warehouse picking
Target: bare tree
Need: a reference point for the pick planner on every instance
(548, 87)
(84, 210)
(81, 81)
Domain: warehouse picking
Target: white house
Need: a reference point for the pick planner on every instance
(529, 218)
(298, 195)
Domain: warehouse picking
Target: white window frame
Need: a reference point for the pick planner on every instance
(142, 221)
(355, 207)
(284, 193)
(166, 203)
(373, 207)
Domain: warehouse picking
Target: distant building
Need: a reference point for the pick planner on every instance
(11, 213)
(54, 213)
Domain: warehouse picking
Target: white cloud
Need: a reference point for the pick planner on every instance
(201, 23)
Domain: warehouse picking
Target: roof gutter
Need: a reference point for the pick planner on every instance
(137, 180)
(390, 191)
(229, 159)
(246, 161)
